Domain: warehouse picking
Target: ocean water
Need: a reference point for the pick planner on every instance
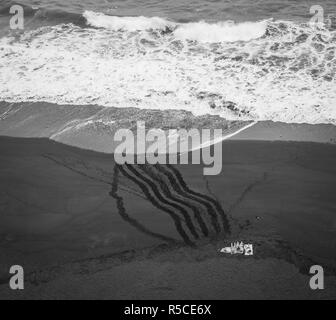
(242, 60)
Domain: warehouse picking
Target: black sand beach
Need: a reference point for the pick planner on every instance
(60, 221)
(83, 226)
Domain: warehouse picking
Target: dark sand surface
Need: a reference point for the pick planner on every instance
(279, 131)
(59, 220)
(93, 127)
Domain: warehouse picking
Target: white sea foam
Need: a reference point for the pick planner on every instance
(284, 74)
(221, 32)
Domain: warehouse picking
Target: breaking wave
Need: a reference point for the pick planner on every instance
(100, 20)
(196, 31)
(265, 70)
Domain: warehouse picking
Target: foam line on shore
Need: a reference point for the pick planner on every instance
(228, 136)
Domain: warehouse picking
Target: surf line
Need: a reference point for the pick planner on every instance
(228, 136)
(172, 146)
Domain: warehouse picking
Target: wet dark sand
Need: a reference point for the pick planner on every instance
(93, 127)
(61, 220)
